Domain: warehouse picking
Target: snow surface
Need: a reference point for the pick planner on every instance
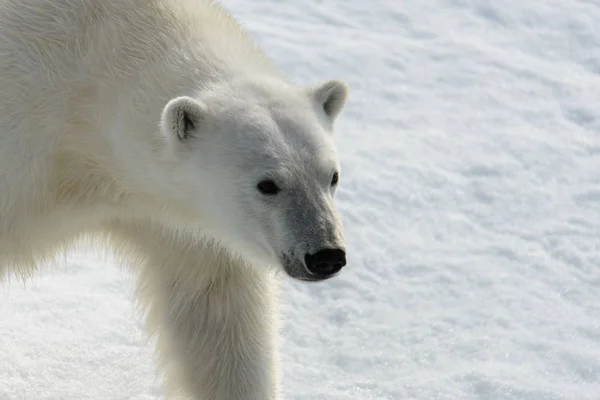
(471, 199)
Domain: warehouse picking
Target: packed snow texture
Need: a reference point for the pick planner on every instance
(470, 194)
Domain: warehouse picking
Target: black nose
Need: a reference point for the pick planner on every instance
(326, 262)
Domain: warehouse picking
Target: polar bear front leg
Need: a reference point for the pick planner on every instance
(214, 317)
(223, 338)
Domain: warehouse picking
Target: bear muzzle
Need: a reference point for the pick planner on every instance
(321, 265)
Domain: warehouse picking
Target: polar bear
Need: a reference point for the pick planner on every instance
(158, 128)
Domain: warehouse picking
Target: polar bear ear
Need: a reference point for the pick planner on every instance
(331, 96)
(181, 118)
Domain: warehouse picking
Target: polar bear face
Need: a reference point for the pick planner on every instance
(256, 161)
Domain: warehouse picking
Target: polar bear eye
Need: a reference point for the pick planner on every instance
(335, 178)
(268, 187)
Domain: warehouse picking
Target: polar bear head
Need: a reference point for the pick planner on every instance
(255, 159)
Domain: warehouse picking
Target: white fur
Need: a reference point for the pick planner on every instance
(93, 145)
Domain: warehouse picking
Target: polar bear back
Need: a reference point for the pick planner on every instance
(87, 39)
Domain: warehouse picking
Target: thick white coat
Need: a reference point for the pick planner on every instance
(83, 85)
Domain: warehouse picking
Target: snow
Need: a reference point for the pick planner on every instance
(470, 194)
